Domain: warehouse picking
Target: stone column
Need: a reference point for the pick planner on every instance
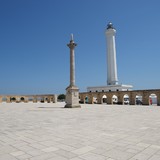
(54, 98)
(90, 100)
(145, 98)
(109, 99)
(99, 100)
(120, 99)
(72, 45)
(8, 100)
(132, 98)
(34, 99)
(72, 91)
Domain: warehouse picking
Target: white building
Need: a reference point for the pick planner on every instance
(112, 77)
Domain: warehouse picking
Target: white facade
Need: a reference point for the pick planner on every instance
(110, 88)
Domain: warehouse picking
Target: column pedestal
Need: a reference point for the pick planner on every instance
(72, 97)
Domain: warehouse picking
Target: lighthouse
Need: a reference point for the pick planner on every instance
(112, 78)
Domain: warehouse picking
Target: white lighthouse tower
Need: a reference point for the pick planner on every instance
(112, 78)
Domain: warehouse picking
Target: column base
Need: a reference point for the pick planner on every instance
(72, 106)
(72, 97)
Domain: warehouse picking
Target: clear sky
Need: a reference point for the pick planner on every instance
(34, 57)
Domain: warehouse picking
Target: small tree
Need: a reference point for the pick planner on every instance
(61, 97)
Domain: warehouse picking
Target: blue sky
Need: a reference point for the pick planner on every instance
(34, 33)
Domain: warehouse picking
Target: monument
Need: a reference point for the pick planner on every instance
(112, 77)
(72, 91)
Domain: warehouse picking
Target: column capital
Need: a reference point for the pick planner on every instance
(72, 45)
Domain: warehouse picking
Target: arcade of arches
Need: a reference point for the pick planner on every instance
(28, 98)
(136, 97)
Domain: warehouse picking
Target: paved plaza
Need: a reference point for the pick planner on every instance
(47, 131)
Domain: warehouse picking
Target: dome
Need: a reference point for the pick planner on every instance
(110, 25)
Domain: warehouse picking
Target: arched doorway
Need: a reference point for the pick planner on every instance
(30, 99)
(42, 99)
(81, 100)
(104, 99)
(12, 99)
(22, 99)
(153, 99)
(4, 99)
(138, 100)
(114, 99)
(86, 100)
(126, 99)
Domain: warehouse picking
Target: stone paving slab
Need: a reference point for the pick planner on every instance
(47, 131)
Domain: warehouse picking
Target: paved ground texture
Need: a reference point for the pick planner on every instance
(44, 131)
